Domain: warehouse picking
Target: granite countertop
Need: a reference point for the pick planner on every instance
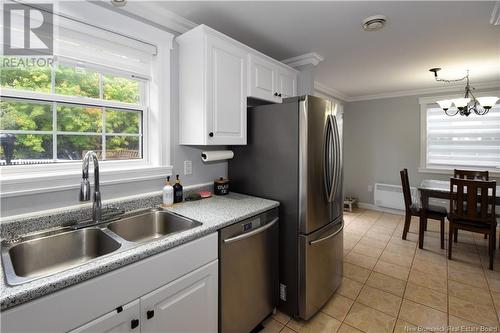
(214, 213)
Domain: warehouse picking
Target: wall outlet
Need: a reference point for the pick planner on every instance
(188, 167)
(370, 188)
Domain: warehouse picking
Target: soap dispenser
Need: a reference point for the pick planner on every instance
(168, 193)
(177, 190)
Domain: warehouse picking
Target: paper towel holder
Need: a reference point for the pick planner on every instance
(216, 155)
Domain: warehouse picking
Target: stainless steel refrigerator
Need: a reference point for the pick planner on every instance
(294, 156)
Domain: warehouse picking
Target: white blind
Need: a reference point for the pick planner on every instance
(459, 141)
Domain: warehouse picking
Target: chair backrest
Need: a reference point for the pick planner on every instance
(405, 183)
(470, 174)
(473, 200)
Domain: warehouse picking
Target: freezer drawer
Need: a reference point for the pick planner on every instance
(320, 270)
(248, 280)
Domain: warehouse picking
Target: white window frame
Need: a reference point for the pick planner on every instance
(425, 103)
(31, 179)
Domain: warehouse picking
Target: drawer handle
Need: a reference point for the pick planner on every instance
(325, 238)
(251, 233)
(134, 323)
(211, 134)
(150, 314)
(276, 94)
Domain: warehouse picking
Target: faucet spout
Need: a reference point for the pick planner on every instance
(85, 186)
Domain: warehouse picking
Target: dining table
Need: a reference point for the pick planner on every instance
(439, 189)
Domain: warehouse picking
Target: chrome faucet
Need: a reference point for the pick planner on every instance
(85, 186)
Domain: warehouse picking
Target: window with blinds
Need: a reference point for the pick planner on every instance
(93, 95)
(467, 142)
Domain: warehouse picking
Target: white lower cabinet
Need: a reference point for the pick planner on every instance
(124, 319)
(188, 304)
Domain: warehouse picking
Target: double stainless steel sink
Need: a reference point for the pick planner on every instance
(50, 252)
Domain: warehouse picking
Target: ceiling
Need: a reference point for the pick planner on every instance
(419, 35)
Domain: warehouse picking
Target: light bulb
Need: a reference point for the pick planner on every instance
(461, 102)
(487, 102)
(445, 104)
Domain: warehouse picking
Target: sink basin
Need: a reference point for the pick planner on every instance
(150, 225)
(54, 253)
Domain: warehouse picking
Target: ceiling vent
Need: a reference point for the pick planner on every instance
(374, 23)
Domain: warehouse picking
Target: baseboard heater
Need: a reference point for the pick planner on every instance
(391, 196)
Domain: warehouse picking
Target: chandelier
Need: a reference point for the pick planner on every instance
(467, 104)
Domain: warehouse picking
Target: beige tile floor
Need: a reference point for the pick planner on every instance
(389, 285)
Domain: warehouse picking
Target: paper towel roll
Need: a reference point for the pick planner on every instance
(216, 155)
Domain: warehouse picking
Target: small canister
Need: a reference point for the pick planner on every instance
(221, 186)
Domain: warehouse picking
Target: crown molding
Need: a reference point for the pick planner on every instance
(311, 58)
(157, 14)
(495, 14)
(436, 90)
(320, 87)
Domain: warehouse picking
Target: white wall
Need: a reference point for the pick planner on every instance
(381, 137)
(202, 173)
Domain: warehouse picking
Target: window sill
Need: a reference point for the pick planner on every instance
(15, 184)
(445, 171)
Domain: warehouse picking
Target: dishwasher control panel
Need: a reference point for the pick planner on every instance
(251, 224)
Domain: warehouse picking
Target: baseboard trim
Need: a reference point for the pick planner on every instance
(380, 209)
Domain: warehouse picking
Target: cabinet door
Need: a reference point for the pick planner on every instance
(226, 92)
(127, 320)
(262, 79)
(287, 83)
(188, 304)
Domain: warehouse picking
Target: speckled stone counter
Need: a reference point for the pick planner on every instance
(214, 213)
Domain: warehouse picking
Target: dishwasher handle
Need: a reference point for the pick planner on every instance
(251, 233)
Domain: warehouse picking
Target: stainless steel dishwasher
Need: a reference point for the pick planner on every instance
(248, 272)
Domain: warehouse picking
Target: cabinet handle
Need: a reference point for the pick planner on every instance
(276, 94)
(150, 314)
(134, 323)
(279, 95)
(211, 134)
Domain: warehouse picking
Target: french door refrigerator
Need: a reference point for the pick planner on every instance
(294, 156)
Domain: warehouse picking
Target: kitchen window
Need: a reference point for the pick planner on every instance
(107, 89)
(58, 113)
(460, 142)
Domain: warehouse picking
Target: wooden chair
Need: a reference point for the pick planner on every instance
(471, 175)
(413, 209)
(472, 208)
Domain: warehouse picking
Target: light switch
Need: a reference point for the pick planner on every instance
(188, 167)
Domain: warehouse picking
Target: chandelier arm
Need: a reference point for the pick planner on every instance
(450, 81)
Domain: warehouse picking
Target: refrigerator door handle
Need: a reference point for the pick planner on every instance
(325, 238)
(337, 159)
(327, 159)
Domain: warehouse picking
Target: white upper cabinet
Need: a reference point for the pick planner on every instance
(263, 79)
(287, 82)
(269, 80)
(212, 88)
(216, 75)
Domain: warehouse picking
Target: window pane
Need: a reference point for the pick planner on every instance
(26, 77)
(123, 148)
(471, 142)
(17, 149)
(121, 89)
(74, 147)
(76, 118)
(77, 82)
(28, 116)
(123, 121)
